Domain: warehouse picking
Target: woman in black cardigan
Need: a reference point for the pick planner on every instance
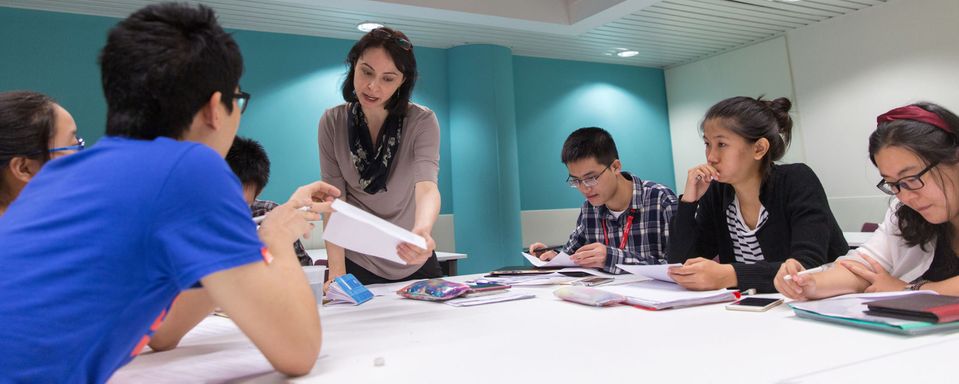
(742, 207)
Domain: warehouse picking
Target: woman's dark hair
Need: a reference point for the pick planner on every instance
(161, 65)
(398, 46)
(932, 145)
(754, 119)
(26, 125)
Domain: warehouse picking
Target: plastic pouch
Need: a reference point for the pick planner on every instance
(433, 290)
(588, 296)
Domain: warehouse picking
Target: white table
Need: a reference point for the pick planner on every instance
(856, 239)
(447, 259)
(546, 340)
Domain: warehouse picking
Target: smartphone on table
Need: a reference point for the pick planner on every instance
(754, 304)
(593, 281)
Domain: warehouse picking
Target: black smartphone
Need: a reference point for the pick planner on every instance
(593, 281)
(754, 304)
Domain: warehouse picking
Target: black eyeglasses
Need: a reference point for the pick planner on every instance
(911, 183)
(587, 182)
(381, 33)
(242, 100)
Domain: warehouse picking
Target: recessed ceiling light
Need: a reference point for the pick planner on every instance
(367, 26)
(627, 53)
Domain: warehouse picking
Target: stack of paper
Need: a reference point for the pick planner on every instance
(360, 231)
(849, 310)
(655, 294)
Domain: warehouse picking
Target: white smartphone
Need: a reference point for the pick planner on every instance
(754, 304)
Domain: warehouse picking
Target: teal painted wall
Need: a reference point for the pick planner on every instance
(293, 79)
(556, 97)
(486, 198)
(56, 54)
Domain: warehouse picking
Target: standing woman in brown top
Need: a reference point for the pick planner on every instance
(382, 152)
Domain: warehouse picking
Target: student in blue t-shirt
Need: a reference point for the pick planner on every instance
(150, 211)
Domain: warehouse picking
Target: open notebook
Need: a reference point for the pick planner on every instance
(655, 294)
(851, 310)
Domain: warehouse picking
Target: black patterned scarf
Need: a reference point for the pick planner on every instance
(373, 164)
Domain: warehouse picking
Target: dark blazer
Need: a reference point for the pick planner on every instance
(800, 226)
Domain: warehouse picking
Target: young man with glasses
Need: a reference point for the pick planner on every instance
(107, 238)
(624, 220)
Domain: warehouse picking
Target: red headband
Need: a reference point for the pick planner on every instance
(912, 112)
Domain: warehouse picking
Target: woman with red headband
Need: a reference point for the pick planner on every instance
(916, 150)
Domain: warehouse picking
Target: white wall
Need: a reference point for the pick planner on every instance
(844, 72)
(850, 69)
(760, 69)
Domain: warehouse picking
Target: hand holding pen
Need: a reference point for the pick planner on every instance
(542, 251)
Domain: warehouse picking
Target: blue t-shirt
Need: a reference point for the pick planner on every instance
(97, 246)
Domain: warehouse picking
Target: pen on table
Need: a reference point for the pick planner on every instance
(260, 218)
(808, 271)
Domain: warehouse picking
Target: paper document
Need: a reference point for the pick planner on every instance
(654, 271)
(661, 295)
(561, 260)
(489, 299)
(360, 231)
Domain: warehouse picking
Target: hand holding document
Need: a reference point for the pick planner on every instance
(560, 260)
(654, 271)
(360, 231)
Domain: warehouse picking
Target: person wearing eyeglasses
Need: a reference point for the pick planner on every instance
(916, 149)
(382, 152)
(624, 220)
(744, 208)
(34, 129)
(98, 245)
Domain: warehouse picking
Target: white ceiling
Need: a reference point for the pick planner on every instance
(666, 33)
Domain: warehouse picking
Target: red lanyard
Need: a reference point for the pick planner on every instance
(629, 224)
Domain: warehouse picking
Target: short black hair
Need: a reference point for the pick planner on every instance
(27, 123)
(402, 57)
(249, 162)
(161, 65)
(590, 142)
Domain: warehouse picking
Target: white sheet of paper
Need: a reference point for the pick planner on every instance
(655, 271)
(360, 231)
(561, 260)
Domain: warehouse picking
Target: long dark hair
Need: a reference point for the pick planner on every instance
(26, 125)
(398, 46)
(754, 119)
(932, 145)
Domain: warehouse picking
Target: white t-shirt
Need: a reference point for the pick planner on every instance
(889, 249)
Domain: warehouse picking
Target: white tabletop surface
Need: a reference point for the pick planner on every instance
(546, 340)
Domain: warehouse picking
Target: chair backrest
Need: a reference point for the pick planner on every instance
(869, 227)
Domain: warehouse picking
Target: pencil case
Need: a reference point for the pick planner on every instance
(588, 296)
(433, 290)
